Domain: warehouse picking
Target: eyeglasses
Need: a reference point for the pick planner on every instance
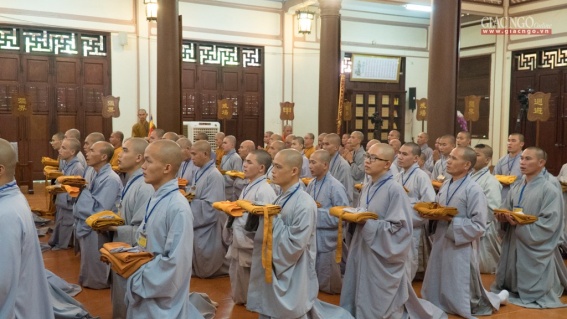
(372, 158)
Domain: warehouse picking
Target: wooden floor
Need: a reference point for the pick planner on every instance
(65, 264)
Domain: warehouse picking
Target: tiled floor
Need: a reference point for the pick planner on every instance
(65, 264)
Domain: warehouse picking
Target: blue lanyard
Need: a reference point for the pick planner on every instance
(521, 195)
(12, 184)
(369, 199)
(407, 179)
(277, 199)
(184, 169)
(147, 216)
(333, 161)
(448, 200)
(510, 165)
(315, 187)
(130, 182)
(203, 172)
(476, 180)
(249, 187)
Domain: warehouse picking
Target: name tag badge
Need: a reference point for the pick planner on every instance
(441, 177)
(119, 205)
(518, 210)
(142, 241)
(193, 190)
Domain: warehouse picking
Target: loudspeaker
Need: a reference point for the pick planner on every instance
(412, 99)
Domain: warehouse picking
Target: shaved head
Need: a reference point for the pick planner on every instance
(105, 148)
(7, 162)
(322, 155)
(291, 158)
(202, 146)
(168, 152)
(384, 150)
(171, 136)
(333, 139)
(73, 133)
(137, 145)
(184, 143)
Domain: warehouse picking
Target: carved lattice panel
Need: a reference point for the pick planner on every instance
(553, 58)
(209, 105)
(38, 97)
(94, 45)
(251, 57)
(9, 39)
(6, 92)
(213, 54)
(251, 105)
(346, 66)
(92, 98)
(188, 103)
(526, 61)
(188, 52)
(50, 42)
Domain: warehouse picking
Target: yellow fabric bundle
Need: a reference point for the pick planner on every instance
(123, 263)
(116, 168)
(564, 187)
(268, 211)
(189, 197)
(436, 184)
(432, 209)
(358, 187)
(51, 172)
(506, 179)
(55, 189)
(229, 208)
(104, 219)
(48, 161)
(306, 180)
(182, 182)
(222, 171)
(236, 174)
(72, 191)
(338, 211)
(520, 218)
(72, 180)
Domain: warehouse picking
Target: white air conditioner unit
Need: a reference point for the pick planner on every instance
(191, 128)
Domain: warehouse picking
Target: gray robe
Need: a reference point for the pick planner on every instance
(242, 241)
(277, 189)
(293, 291)
(160, 288)
(340, 170)
(328, 192)
(452, 280)
(23, 278)
(440, 168)
(508, 166)
(489, 247)
(102, 193)
(231, 161)
(63, 230)
(420, 190)
(209, 248)
(357, 171)
(305, 171)
(186, 170)
(132, 207)
(376, 282)
(425, 149)
(239, 183)
(527, 266)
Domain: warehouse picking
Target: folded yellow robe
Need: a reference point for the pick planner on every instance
(189, 196)
(520, 218)
(72, 180)
(222, 171)
(55, 189)
(338, 211)
(181, 182)
(51, 172)
(358, 187)
(268, 211)
(72, 191)
(123, 263)
(48, 161)
(432, 209)
(104, 219)
(506, 179)
(236, 174)
(306, 180)
(436, 184)
(116, 168)
(229, 208)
